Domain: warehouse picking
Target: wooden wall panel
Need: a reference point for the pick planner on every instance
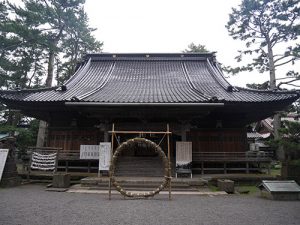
(218, 140)
(72, 139)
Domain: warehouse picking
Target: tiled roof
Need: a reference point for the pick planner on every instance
(148, 78)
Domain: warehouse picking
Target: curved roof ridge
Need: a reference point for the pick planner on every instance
(221, 75)
(83, 70)
(216, 76)
(149, 55)
(105, 80)
(74, 75)
(191, 84)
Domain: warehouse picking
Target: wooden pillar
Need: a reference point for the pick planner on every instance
(111, 154)
(225, 169)
(89, 166)
(202, 167)
(185, 127)
(106, 138)
(169, 159)
(105, 133)
(67, 166)
(29, 167)
(247, 167)
(56, 161)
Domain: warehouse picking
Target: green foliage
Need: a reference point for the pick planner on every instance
(266, 26)
(38, 38)
(295, 107)
(247, 189)
(193, 48)
(78, 42)
(295, 162)
(25, 137)
(262, 86)
(290, 139)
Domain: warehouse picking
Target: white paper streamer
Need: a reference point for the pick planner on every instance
(43, 162)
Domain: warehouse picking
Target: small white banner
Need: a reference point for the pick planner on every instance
(3, 156)
(183, 153)
(104, 155)
(89, 151)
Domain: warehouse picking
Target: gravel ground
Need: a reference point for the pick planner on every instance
(31, 205)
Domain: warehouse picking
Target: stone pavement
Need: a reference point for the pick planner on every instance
(32, 205)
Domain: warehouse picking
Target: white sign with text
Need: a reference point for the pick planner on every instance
(89, 151)
(104, 155)
(3, 157)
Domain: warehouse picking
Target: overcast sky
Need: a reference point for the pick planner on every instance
(169, 26)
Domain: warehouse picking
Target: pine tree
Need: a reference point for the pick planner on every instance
(53, 21)
(266, 27)
(269, 29)
(39, 38)
(196, 48)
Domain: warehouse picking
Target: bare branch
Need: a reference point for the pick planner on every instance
(294, 85)
(283, 78)
(281, 58)
(288, 61)
(289, 82)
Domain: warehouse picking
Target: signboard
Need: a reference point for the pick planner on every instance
(89, 151)
(104, 155)
(3, 156)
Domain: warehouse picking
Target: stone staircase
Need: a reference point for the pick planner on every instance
(144, 173)
(140, 167)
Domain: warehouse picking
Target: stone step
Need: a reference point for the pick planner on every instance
(143, 183)
(146, 188)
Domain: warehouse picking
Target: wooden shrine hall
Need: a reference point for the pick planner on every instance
(144, 92)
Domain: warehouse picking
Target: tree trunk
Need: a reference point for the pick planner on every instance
(276, 119)
(50, 69)
(41, 138)
(276, 125)
(53, 44)
(271, 66)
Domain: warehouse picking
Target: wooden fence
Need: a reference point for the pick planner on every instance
(231, 161)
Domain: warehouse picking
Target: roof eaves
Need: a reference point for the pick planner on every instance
(276, 91)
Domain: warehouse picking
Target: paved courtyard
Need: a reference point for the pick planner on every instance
(31, 205)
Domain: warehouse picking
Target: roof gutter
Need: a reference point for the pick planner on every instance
(141, 104)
